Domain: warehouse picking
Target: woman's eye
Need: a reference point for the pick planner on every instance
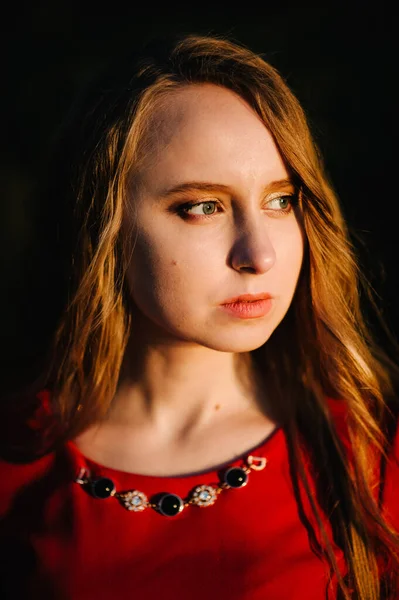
(201, 208)
(282, 203)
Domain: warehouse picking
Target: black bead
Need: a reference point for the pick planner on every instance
(170, 505)
(235, 477)
(102, 488)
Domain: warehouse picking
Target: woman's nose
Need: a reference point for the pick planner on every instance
(253, 249)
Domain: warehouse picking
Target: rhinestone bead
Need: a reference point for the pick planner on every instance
(204, 495)
(235, 477)
(102, 488)
(170, 505)
(134, 500)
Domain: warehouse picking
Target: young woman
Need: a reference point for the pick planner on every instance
(216, 420)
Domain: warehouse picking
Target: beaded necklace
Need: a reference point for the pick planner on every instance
(169, 504)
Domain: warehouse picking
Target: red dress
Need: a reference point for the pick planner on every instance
(62, 543)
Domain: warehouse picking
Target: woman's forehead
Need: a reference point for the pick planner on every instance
(198, 105)
(209, 130)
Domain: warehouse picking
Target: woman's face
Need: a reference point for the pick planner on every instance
(240, 238)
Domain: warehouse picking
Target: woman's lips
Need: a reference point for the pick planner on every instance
(248, 298)
(248, 309)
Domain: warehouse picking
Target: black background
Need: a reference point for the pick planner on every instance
(340, 61)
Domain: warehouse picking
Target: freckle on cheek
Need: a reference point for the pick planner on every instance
(174, 262)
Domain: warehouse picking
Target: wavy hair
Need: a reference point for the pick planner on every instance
(323, 347)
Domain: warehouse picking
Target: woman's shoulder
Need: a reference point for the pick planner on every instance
(18, 476)
(388, 468)
(390, 477)
(25, 455)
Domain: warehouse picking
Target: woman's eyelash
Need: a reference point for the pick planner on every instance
(183, 210)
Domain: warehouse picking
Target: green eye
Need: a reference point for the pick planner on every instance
(209, 207)
(285, 201)
(279, 205)
(281, 202)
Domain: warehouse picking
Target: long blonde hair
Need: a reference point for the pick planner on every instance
(321, 349)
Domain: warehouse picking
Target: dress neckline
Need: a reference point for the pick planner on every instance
(268, 445)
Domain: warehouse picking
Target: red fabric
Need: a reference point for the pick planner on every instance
(61, 543)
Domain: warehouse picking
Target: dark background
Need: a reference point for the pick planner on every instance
(340, 61)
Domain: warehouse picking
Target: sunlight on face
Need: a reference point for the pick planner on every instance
(242, 235)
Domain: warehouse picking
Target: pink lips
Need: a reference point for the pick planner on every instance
(248, 298)
(248, 306)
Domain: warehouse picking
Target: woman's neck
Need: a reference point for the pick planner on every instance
(178, 416)
(179, 389)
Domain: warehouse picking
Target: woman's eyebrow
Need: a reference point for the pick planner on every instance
(204, 186)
